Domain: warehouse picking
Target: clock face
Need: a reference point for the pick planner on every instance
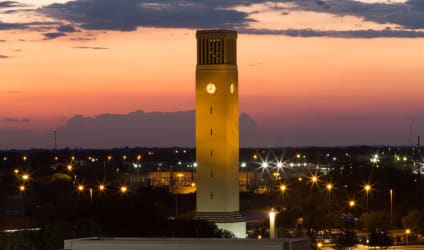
(232, 88)
(210, 88)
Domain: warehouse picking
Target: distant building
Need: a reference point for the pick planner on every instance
(185, 181)
(217, 131)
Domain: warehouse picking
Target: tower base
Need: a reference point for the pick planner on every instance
(237, 228)
(230, 221)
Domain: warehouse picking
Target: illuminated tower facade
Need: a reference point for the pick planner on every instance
(217, 131)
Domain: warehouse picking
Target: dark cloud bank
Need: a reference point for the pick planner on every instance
(127, 15)
(167, 129)
(10, 4)
(155, 129)
(13, 119)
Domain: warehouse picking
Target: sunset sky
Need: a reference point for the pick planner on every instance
(311, 72)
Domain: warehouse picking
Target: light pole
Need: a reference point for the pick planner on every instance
(22, 190)
(101, 188)
(391, 208)
(391, 216)
(407, 232)
(283, 189)
(138, 163)
(329, 188)
(91, 196)
(276, 176)
(272, 224)
(367, 188)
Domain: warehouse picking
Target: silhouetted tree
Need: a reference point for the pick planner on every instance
(55, 233)
(348, 239)
(380, 238)
(413, 220)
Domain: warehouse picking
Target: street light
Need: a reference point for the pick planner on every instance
(279, 165)
(80, 187)
(375, 159)
(123, 189)
(276, 176)
(264, 164)
(69, 167)
(22, 188)
(314, 180)
(102, 187)
(25, 177)
(351, 203)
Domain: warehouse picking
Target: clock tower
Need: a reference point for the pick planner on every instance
(217, 131)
